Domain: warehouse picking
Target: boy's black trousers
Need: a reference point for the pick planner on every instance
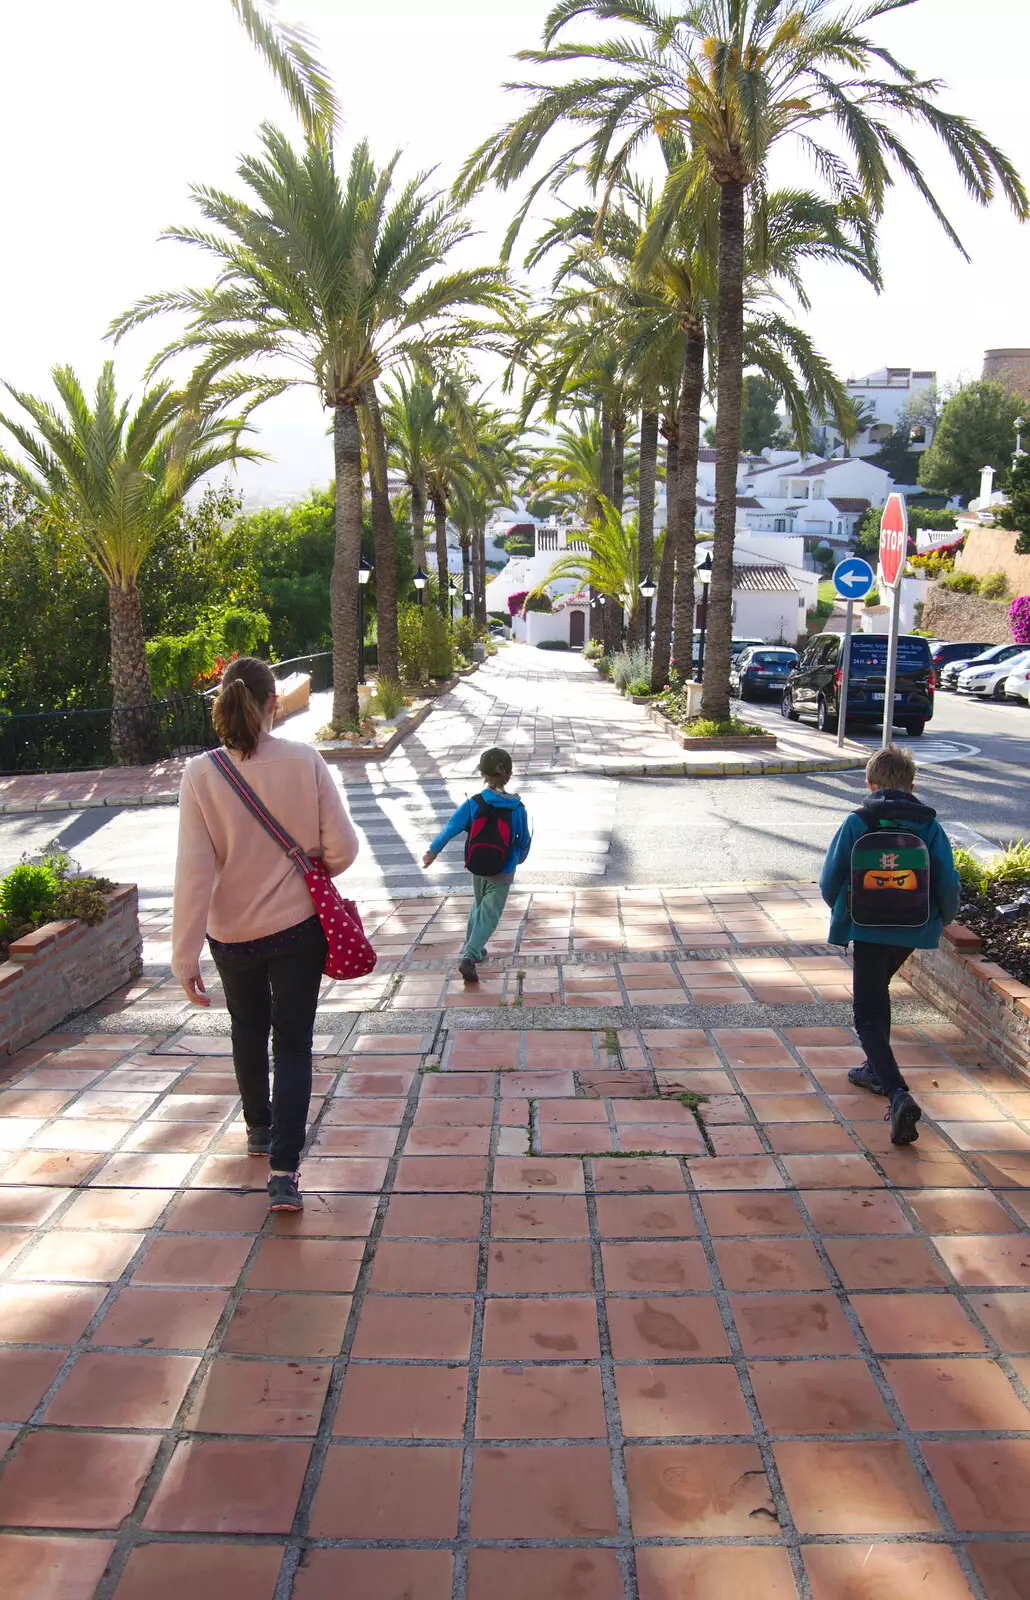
(874, 967)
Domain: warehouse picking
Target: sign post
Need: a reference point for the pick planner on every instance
(852, 580)
(893, 555)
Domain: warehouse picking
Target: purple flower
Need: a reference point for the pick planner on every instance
(1019, 618)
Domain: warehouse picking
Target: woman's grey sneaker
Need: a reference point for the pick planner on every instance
(283, 1194)
(903, 1116)
(468, 971)
(259, 1141)
(864, 1077)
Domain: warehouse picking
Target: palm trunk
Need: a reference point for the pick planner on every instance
(135, 737)
(418, 527)
(618, 460)
(343, 586)
(443, 577)
(645, 519)
(466, 577)
(607, 453)
(689, 428)
(667, 574)
(479, 575)
(716, 701)
(385, 542)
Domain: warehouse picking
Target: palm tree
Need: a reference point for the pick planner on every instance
(568, 468)
(735, 78)
(288, 51)
(409, 415)
(610, 564)
(335, 277)
(115, 480)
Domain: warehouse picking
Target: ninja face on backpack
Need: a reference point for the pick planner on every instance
(890, 880)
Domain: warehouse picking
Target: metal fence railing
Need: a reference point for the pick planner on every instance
(320, 666)
(81, 741)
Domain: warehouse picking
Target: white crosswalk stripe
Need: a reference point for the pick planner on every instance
(572, 826)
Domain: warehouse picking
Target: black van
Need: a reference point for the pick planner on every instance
(813, 688)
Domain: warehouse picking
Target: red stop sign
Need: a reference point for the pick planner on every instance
(893, 539)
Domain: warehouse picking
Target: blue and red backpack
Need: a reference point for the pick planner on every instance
(488, 844)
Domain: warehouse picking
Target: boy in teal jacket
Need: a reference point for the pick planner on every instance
(490, 893)
(879, 952)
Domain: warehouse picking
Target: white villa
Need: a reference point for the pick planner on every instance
(784, 492)
(886, 393)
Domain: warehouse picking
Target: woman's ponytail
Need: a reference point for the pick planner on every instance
(240, 709)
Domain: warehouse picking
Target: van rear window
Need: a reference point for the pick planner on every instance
(870, 655)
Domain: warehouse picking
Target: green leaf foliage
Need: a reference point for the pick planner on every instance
(977, 428)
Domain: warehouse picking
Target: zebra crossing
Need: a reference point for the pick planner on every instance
(572, 821)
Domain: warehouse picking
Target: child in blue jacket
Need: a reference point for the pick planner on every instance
(879, 952)
(490, 892)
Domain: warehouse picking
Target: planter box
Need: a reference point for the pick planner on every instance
(65, 967)
(339, 751)
(980, 996)
(729, 741)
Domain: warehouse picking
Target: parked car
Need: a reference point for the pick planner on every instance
(1017, 684)
(814, 686)
(736, 646)
(994, 652)
(988, 681)
(944, 653)
(762, 670)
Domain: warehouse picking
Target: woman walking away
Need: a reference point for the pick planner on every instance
(234, 882)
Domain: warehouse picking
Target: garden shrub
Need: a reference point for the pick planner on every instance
(537, 602)
(424, 647)
(995, 586)
(593, 650)
(553, 644)
(28, 894)
(389, 699)
(1019, 619)
(516, 601)
(467, 633)
(630, 665)
(960, 582)
(180, 663)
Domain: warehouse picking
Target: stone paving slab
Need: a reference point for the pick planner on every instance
(764, 1347)
(513, 700)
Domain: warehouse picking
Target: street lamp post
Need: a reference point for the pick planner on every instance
(704, 574)
(648, 589)
(452, 590)
(364, 573)
(1020, 452)
(467, 607)
(420, 580)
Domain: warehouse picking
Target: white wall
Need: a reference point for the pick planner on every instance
(771, 617)
(542, 626)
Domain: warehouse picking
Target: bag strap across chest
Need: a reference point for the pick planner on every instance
(257, 808)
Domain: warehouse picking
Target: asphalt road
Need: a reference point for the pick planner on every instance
(594, 831)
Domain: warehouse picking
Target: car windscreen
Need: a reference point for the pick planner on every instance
(869, 656)
(773, 658)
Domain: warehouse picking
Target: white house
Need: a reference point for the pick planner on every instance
(807, 497)
(553, 539)
(770, 598)
(887, 394)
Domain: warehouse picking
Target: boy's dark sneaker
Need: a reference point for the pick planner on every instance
(467, 968)
(903, 1116)
(283, 1194)
(864, 1077)
(259, 1141)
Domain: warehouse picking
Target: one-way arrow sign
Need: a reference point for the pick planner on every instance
(853, 578)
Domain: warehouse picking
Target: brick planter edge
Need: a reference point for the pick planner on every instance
(65, 967)
(978, 995)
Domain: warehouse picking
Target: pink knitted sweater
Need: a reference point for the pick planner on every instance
(231, 879)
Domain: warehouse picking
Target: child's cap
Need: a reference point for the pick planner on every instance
(495, 763)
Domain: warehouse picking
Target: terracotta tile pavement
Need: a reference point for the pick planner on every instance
(545, 1328)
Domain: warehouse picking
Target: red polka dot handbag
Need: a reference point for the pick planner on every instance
(348, 953)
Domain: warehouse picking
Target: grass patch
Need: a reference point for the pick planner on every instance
(692, 1100)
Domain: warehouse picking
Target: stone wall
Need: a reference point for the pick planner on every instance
(65, 967)
(948, 615)
(994, 550)
(991, 1007)
(1010, 368)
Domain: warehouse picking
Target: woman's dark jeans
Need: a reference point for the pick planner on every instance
(277, 993)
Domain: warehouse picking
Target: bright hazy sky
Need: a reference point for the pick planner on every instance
(111, 108)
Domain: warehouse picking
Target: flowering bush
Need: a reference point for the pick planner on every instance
(1019, 617)
(516, 602)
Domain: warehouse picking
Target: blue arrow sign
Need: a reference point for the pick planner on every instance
(853, 578)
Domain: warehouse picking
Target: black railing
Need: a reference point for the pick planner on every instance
(320, 666)
(80, 741)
